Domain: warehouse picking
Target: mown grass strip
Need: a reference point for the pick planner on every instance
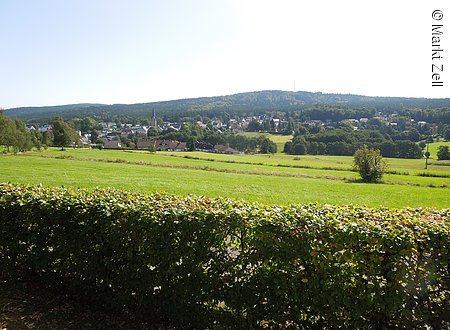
(241, 171)
(262, 188)
(329, 168)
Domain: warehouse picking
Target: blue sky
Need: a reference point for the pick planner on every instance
(110, 51)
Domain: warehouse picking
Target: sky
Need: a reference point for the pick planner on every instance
(57, 52)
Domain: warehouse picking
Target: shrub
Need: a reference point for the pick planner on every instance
(443, 153)
(200, 263)
(370, 164)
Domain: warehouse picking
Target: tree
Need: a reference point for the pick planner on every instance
(413, 135)
(387, 149)
(22, 137)
(317, 148)
(63, 133)
(152, 132)
(94, 135)
(13, 134)
(6, 132)
(268, 147)
(443, 153)
(46, 138)
(287, 147)
(85, 124)
(253, 126)
(447, 134)
(340, 148)
(273, 148)
(407, 149)
(191, 144)
(298, 146)
(369, 163)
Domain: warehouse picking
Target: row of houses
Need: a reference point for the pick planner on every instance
(111, 129)
(162, 145)
(219, 148)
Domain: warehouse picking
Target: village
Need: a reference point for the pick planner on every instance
(189, 134)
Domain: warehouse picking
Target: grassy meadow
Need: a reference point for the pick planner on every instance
(278, 139)
(270, 179)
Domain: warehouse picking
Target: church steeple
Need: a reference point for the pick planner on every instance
(154, 122)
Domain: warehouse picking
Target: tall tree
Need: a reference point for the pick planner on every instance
(13, 134)
(267, 146)
(6, 132)
(63, 133)
(447, 134)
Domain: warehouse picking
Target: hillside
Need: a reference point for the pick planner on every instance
(256, 102)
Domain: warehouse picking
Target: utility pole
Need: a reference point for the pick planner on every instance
(427, 155)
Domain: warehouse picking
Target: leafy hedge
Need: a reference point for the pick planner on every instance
(198, 262)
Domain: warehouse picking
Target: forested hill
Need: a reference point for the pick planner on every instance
(45, 111)
(252, 102)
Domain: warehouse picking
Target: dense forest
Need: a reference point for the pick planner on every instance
(300, 104)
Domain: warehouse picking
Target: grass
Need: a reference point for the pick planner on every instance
(278, 139)
(409, 166)
(433, 148)
(256, 178)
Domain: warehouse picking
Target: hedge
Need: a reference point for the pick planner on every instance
(206, 263)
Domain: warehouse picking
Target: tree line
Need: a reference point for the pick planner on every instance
(15, 137)
(342, 142)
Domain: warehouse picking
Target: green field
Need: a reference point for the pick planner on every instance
(278, 139)
(433, 148)
(271, 179)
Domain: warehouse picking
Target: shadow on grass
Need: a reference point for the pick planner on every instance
(352, 180)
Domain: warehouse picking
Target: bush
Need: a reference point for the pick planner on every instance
(297, 146)
(443, 153)
(370, 164)
(202, 263)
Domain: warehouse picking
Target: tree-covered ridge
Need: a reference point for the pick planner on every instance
(252, 102)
